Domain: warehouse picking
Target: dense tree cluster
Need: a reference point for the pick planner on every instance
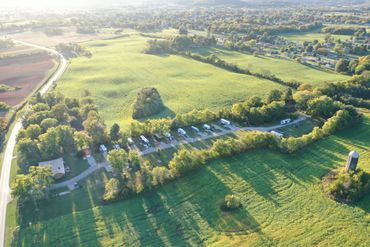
(355, 91)
(356, 66)
(72, 50)
(148, 102)
(178, 43)
(33, 185)
(342, 30)
(347, 187)
(55, 125)
(4, 107)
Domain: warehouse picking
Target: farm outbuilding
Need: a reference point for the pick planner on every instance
(57, 167)
(352, 161)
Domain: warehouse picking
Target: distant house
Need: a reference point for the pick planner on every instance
(57, 167)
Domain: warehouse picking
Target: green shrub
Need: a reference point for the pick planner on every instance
(347, 187)
(231, 202)
(4, 107)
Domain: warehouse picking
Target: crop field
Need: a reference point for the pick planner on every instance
(284, 69)
(18, 49)
(118, 69)
(69, 35)
(25, 73)
(283, 205)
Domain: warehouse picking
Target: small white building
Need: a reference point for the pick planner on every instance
(286, 121)
(57, 167)
(181, 131)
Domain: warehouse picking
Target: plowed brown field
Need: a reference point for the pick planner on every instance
(25, 73)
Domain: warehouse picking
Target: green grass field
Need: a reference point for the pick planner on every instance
(314, 35)
(283, 205)
(119, 68)
(284, 69)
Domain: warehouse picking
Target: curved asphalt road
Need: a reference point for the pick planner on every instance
(9, 150)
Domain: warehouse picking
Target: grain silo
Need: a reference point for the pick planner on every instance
(352, 161)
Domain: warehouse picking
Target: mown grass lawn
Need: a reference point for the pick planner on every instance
(118, 69)
(283, 205)
(284, 69)
(311, 36)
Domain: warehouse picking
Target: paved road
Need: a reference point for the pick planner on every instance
(9, 150)
(216, 134)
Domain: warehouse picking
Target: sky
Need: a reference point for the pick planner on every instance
(44, 4)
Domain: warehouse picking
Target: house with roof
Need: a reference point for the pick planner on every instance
(57, 167)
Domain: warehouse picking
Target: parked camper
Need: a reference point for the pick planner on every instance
(130, 141)
(103, 149)
(195, 129)
(286, 121)
(181, 132)
(278, 134)
(206, 127)
(169, 136)
(144, 140)
(224, 121)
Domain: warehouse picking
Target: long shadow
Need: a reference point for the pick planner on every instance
(166, 112)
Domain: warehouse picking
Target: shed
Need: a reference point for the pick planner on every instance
(57, 167)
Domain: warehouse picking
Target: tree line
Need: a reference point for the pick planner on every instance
(133, 179)
(277, 105)
(55, 125)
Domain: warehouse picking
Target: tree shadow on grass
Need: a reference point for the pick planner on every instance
(166, 112)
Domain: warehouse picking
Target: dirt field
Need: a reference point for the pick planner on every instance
(24, 72)
(68, 36)
(18, 49)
